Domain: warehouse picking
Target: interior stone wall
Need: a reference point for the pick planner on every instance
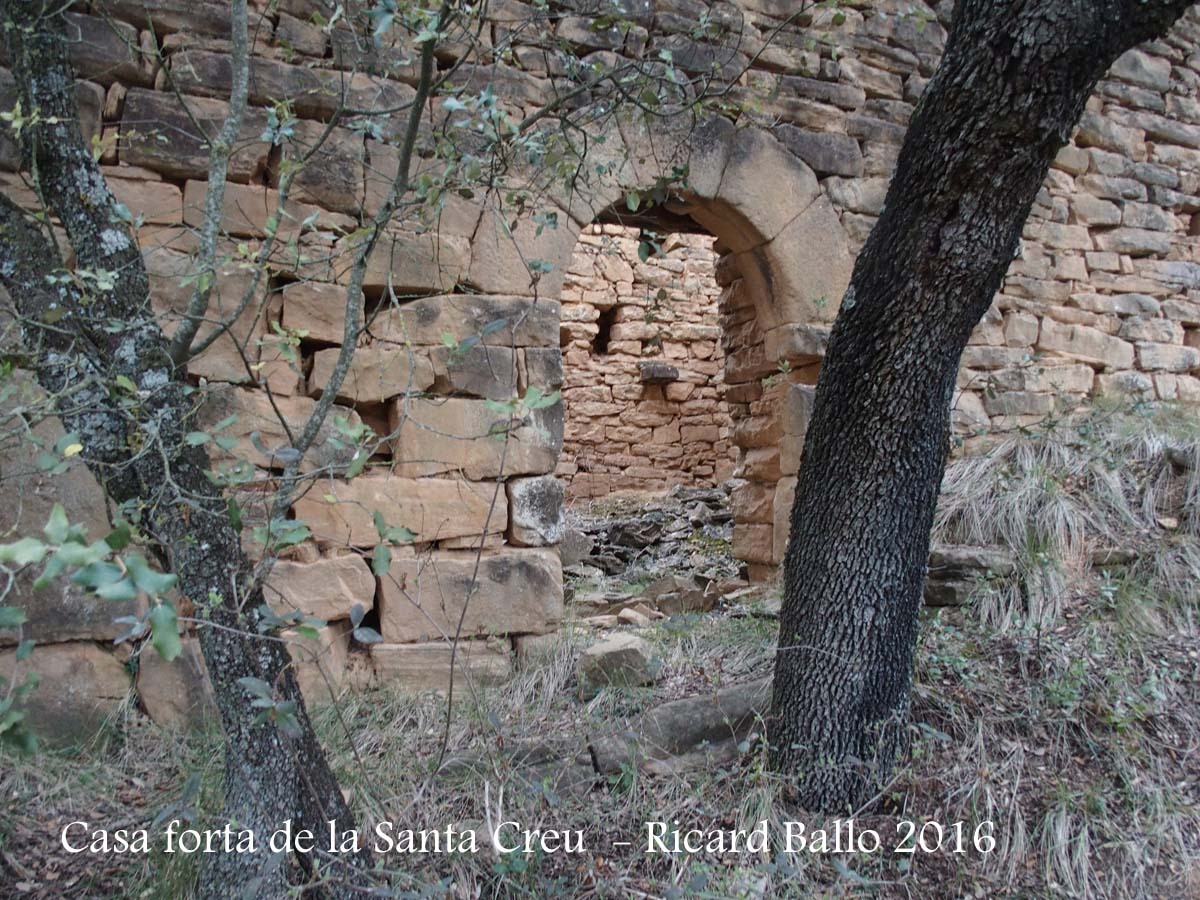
(643, 362)
(1104, 296)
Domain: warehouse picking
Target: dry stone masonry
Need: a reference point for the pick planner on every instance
(644, 365)
(1103, 297)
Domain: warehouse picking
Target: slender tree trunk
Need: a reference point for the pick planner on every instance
(1011, 86)
(135, 445)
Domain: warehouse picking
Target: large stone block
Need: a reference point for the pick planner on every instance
(172, 282)
(318, 309)
(423, 597)
(247, 208)
(405, 262)
(331, 167)
(81, 687)
(528, 259)
(60, 611)
(827, 153)
(319, 662)
(417, 668)
(105, 51)
(433, 509)
(376, 374)
(479, 370)
(432, 436)
(803, 273)
(492, 320)
(325, 589)
(1085, 343)
(785, 497)
(535, 510)
(177, 694)
(161, 135)
(750, 210)
(255, 414)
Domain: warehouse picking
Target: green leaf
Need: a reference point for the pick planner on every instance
(255, 686)
(632, 201)
(196, 438)
(120, 537)
(23, 552)
(57, 528)
(97, 575)
(118, 592)
(148, 580)
(366, 635)
(381, 559)
(164, 631)
(12, 617)
(24, 649)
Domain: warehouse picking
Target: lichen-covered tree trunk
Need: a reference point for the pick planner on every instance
(1011, 85)
(103, 355)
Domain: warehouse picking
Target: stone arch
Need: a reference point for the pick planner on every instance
(784, 255)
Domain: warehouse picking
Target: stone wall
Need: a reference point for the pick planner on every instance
(643, 365)
(1103, 297)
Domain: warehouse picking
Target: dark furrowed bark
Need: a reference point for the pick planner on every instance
(1011, 86)
(80, 342)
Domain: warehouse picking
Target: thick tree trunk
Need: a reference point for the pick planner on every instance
(1011, 86)
(135, 446)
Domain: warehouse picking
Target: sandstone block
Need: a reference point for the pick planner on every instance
(512, 260)
(753, 543)
(535, 507)
(431, 508)
(1133, 241)
(405, 262)
(318, 309)
(825, 152)
(479, 370)
(325, 589)
(1167, 357)
(432, 436)
(254, 413)
(81, 686)
(417, 668)
(177, 694)
(785, 497)
(623, 660)
(61, 611)
(423, 597)
(1140, 68)
(376, 374)
(247, 208)
(1086, 344)
(155, 202)
(1133, 385)
(492, 320)
(320, 662)
(862, 195)
(1091, 211)
(1141, 328)
(160, 135)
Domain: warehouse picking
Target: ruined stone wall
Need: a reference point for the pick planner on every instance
(643, 365)
(1104, 296)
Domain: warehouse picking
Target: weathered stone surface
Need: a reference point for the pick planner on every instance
(623, 660)
(1140, 68)
(405, 262)
(377, 373)
(432, 436)
(494, 320)
(479, 370)
(247, 208)
(431, 508)
(317, 309)
(520, 260)
(863, 195)
(255, 414)
(1087, 344)
(81, 687)
(417, 668)
(1133, 241)
(535, 510)
(60, 611)
(331, 167)
(325, 589)
(177, 694)
(825, 152)
(173, 281)
(1167, 357)
(320, 662)
(423, 597)
(1134, 385)
(161, 136)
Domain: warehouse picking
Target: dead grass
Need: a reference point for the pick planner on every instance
(1071, 726)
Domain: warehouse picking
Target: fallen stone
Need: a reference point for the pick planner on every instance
(623, 660)
(177, 694)
(81, 686)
